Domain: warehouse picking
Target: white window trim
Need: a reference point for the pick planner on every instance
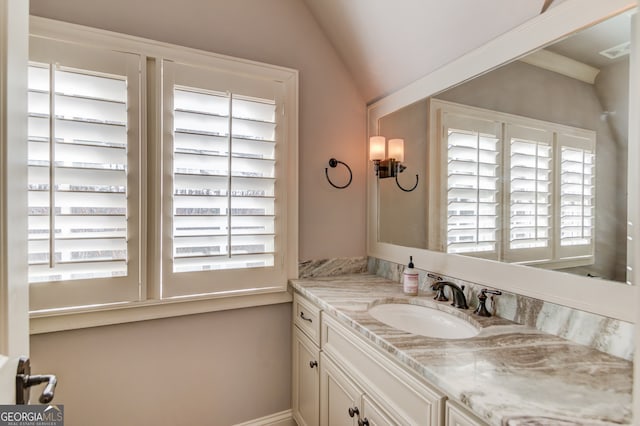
(150, 306)
(95, 316)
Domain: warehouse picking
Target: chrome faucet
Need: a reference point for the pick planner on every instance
(457, 293)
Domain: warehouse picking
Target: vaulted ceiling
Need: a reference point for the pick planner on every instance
(387, 44)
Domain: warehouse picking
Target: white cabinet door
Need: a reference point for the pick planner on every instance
(373, 415)
(407, 400)
(306, 380)
(339, 396)
(14, 291)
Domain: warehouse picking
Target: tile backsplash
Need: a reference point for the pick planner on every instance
(332, 267)
(608, 335)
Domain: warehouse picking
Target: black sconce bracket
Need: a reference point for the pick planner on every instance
(390, 168)
(407, 189)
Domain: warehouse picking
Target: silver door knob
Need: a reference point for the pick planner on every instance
(24, 381)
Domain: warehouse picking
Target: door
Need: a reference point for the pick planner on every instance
(339, 396)
(306, 380)
(14, 291)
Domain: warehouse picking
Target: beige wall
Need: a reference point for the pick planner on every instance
(208, 369)
(225, 367)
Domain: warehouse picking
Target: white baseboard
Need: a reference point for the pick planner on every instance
(283, 418)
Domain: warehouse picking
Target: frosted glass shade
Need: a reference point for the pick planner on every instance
(376, 148)
(396, 149)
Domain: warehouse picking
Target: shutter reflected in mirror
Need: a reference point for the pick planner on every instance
(530, 192)
(576, 196)
(472, 185)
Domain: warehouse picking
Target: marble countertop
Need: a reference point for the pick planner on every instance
(509, 374)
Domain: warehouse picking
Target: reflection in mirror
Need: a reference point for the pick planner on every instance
(526, 163)
(403, 214)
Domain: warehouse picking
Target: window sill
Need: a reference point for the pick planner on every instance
(85, 317)
(561, 264)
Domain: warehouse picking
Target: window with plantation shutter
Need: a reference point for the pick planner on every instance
(530, 193)
(82, 173)
(162, 180)
(517, 189)
(577, 193)
(227, 181)
(82, 157)
(576, 196)
(472, 185)
(224, 181)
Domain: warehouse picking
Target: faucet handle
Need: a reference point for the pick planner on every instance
(439, 288)
(481, 310)
(434, 277)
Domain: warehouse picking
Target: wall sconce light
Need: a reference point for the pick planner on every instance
(391, 166)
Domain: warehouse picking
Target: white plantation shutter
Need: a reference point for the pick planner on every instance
(472, 147)
(577, 193)
(88, 175)
(82, 155)
(226, 200)
(529, 193)
(223, 220)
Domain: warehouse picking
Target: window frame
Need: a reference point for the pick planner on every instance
(150, 303)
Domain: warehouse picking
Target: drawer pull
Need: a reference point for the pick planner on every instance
(305, 318)
(363, 422)
(354, 412)
(313, 364)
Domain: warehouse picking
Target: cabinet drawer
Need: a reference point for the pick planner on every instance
(307, 317)
(459, 416)
(407, 399)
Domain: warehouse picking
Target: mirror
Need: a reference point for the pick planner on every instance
(523, 164)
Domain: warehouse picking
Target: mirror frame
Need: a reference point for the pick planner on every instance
(602, 297)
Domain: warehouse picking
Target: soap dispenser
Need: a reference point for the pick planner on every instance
(410, 279)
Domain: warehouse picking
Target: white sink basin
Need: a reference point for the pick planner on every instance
(423, 321)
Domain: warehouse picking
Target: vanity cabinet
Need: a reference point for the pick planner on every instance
(341, 378)
(305, 399)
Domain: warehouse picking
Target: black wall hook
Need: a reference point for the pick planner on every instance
(409, 189)
(333, 163)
